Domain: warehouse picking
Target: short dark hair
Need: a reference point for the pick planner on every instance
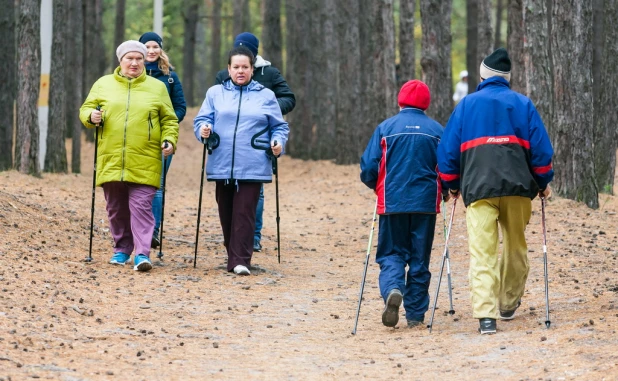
(241, 51)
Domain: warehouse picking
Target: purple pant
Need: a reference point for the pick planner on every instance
(129, 209)
(237, 215)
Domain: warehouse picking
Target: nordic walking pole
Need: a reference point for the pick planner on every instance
(160, 255)
(547, 321)
(448, 234)
(362, 287)
(94, 184)
(448, 265)
(276, 173)
(199, 207)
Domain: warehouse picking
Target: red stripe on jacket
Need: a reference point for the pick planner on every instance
(448, 176)
(381, 184)
(506, 139)
(542, 170)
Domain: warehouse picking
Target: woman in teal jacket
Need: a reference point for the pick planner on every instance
(247, 118)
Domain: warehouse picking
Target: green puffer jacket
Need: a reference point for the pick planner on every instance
(137, 117)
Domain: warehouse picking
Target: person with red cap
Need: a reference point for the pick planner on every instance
(400, 165)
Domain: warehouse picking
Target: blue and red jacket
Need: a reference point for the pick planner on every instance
(400, 163)
(495, 144)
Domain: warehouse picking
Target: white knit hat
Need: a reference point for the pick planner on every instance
(131, 46)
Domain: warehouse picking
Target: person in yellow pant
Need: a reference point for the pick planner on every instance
(495, 151)
(497, 284)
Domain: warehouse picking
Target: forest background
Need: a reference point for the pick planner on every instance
(344, 60)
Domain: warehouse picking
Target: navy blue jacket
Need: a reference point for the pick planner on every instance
(400, 163)
(174, 88)
(495, 144)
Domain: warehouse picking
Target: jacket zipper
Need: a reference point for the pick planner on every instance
(124, 139)
(236, 129)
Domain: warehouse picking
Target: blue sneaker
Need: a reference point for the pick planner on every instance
(142, 263)
(120, 259)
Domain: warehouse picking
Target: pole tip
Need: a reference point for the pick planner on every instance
(547, 324)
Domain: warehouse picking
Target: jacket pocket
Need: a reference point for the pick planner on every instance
(150, 126)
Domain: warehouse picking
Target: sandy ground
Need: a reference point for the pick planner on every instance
(64, 319)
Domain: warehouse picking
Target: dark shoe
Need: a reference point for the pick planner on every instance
(154, 243)
(257, 246)
(487, 326)
(414, 323)
(390, 315)
(510, 314)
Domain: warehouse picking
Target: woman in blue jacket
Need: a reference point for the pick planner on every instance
(247, 118)
(158, 66)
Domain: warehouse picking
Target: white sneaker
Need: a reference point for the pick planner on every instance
(241, 270)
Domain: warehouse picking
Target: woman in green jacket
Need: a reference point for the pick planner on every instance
(136, 123)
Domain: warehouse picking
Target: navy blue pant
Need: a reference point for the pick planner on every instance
(406, 239)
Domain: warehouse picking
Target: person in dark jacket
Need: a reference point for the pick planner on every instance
(247, 118)
(158, 66)
(496, 152)
(271, 78)
(400, 165)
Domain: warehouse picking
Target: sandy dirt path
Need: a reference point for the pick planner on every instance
(64, 319)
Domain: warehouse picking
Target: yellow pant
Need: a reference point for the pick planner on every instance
(497, 283)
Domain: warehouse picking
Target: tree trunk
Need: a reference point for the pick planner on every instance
(606, 133)
(242, 21)
(498, 31)
(485, 37)
(215, 32)
(188, 51)
(537, 59)
(515, 45)
(29, 69)
(119, 27)
(573, 142)
(73, 80)
(407, 54)
(349, 148)
(436, 57)
(379, 94)
(8, 79)
(326, 83)
(93, 59)
(299, 77)
(472, 38)
(271, 33)
(56, 153)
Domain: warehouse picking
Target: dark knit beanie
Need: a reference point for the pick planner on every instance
(415, 94)
(151, 36)
(497, 64)
(249, 41)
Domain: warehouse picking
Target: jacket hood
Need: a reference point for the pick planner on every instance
(252, 86)
(261, 62)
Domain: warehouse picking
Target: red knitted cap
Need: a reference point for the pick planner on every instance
(414, 93)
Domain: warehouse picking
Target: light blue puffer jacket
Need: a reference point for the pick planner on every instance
(247, 118)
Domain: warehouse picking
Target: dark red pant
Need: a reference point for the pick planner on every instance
(237, 203)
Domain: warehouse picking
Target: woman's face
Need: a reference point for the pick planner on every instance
(240, 69)
(154, 51)
(132, 64)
